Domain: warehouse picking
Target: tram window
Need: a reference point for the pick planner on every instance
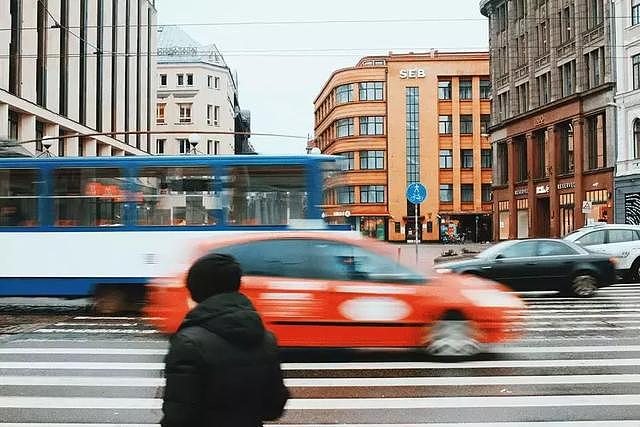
(18, 197)
(177, 196)
(265, 195)
(88, 197)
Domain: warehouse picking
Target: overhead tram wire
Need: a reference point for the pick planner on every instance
(329, 22)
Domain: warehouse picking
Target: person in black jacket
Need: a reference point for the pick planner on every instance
(222, 368)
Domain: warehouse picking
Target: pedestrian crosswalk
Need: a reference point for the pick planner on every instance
(576, 365)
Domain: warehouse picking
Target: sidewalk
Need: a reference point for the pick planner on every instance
(427, 252)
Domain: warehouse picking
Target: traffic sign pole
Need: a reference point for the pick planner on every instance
(416, 230)
(416, 194)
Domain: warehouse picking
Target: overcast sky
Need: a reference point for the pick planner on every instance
(281, 68)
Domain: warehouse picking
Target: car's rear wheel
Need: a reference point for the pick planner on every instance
(452, 336)
(584, 285)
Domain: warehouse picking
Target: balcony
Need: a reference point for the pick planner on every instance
(502, 81)
(542, 61)
(566, 49)
(521, 72)
(593, 35)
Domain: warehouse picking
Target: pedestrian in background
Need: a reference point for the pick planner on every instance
(222, 368)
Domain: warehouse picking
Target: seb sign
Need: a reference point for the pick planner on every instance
(412, 73)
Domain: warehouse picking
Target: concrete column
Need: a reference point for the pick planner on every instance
(513, 211)
(4, 119)
(29, 50)
(5, 38)
(578, 150)
(553, 181)
(27, 131)
(531, 190)
(90, 147)
(52, 129)
(104, 150)
(71, 147)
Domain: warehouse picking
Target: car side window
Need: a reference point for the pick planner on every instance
(593, 238)
(520, 250)
(275, 258)
(341, 261)
(554, 249)
(622, 236)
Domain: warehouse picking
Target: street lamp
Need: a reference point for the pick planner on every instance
(46, 144)
(194, 139)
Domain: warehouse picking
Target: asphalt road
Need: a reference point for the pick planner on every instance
(578, 364)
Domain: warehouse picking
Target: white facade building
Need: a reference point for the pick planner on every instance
(78, 67)
(627, 54)
(196, 94)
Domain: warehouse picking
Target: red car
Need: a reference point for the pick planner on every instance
(331, 289)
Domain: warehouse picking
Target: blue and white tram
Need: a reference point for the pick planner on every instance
(88, 226)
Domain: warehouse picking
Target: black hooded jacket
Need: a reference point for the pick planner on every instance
(222, 368)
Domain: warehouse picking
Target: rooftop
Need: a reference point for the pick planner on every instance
(176, 46)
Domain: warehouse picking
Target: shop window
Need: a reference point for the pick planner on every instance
(18, 197)
(88, 197)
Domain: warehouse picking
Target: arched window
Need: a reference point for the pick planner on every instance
(636, 138)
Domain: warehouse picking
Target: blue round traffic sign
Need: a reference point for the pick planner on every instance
(416, 193)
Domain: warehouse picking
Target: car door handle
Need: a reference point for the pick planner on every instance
(530, 263)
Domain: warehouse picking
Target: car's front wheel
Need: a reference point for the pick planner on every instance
(452, 336)
(634, 272)
(583, 285)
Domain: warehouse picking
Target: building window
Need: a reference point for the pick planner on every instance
(344, 127)
(466, 124)
(486, 159)
(520, 149)
(566, 148)
(540, 140)
(466, 193)
(216, 115)
(444, 125)
(636, 138)
(216, 147)
(346, 195)
(163, 79)
(486, 193)
(15, 46)
(216, 82)
(344, 93)
(371, 159)
(568, 77)
(566, 17)
(446, 193)
(466, 157)
(63, 77)
(184, 113)
(446, 159)
(13, 125)
(412, 97)
(160, 146)
(180, 79)
(502, 166)
(373, 125)
(183, 144)
(595, 13)
(485, 89)
(596, 148)
(503, 109)
(41, 56)
(347, 161)
(160, 114)
(371, 91)
(189, 79)
(544, 88)
(39, 136)
(542, 31)
(465, 89)
(635, 12)
(594, 63)
(485, 119)
(209, 114)
(635, 59)
(444, 89)
(209, 146)
(210, 82)
(372, 194)
(522, 93)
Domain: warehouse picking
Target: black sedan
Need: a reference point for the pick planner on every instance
(540, 265)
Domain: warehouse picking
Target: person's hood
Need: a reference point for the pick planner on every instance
(229, 315)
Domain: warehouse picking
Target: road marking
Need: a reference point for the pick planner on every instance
(338, 382)
(341, 403)
(579, 322)
(339, 365)
(569, 349)
(602, 423)
(114, 318)
(581, 306)
(574, 316)
(95, 324)
(575, 329)
(61, 350)
(73, 425)
(96, 331)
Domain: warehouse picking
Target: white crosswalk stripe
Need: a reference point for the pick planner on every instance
(575, 356)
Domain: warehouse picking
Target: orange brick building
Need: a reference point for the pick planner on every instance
(407, 118)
